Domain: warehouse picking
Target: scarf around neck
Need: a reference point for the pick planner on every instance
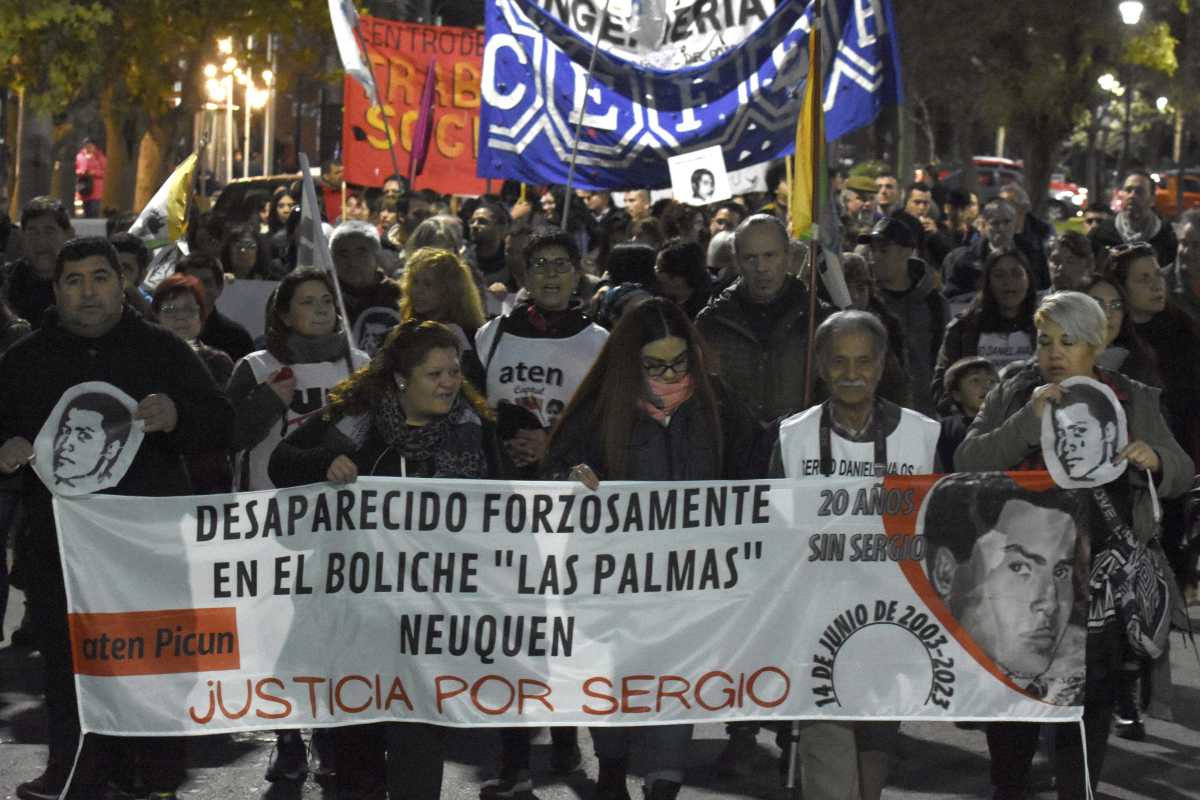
(312, 349)
(665, 398)
(1146, 231)
(433, 441)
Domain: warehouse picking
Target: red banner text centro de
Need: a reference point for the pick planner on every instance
(400, 54)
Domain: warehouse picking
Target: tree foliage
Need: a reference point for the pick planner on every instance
(41, 44)
(1029, 66)
(144, 58)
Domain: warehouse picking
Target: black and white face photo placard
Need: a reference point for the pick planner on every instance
(89, 440)
(1082, 434)
(699, 178)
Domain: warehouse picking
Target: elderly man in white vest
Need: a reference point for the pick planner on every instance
(852, 434)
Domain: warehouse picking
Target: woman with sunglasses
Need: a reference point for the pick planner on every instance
(649, 410)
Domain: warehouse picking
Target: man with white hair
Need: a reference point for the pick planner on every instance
(1031, 234)
(355, 248)
(853, 433)
(758, 327)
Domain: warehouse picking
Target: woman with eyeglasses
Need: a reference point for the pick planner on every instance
(179, 306)
(537, 355)
(534, 358)
(1124, 351)
(244, 254)
(649, 410)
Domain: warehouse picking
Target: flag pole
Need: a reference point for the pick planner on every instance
(816, 164)
(312, 239)
(579, 122)
(387, 129)
(791, 752)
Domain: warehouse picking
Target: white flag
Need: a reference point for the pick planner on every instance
(344, 19)
(313, 250)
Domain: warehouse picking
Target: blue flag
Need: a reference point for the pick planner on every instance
(635, 117)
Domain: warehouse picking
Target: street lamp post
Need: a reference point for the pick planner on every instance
(1131, 14)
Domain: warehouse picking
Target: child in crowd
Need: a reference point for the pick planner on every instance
(967, 382)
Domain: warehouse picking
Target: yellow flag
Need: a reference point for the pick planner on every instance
(810, 145)
(164, 219)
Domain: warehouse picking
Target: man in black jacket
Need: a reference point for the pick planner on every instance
(1136, 222)
(90, 335)
(45, 226)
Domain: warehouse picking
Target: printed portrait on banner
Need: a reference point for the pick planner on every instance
(1010, 566)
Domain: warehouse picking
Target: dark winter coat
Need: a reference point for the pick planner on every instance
(686, 449)
(139, 358)
(766, 374)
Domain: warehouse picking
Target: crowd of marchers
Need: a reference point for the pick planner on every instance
(545, 334)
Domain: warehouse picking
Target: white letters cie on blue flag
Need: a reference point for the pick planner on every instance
(745, 100)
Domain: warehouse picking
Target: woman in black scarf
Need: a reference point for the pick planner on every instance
(407, 414)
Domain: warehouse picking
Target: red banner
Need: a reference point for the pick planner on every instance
(400, 54)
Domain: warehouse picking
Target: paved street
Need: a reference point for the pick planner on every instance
(937, 760)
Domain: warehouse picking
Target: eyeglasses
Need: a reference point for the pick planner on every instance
(179, 311)
(245, 245)
(1112, 305)
(551, 266)
(656, 369)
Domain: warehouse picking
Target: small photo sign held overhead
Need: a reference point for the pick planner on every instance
(699, 178)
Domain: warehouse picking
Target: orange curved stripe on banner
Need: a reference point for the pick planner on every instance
(906, 524)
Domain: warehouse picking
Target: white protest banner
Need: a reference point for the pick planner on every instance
(471, 603)
(245, 301)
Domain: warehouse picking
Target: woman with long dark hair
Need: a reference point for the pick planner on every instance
(650, 409)
(1166, 330)
(408, 413)
(1124, 350)
(998, 324)
(245, 254)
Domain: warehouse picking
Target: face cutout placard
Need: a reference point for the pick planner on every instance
(1082, 434)
(89, 440)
